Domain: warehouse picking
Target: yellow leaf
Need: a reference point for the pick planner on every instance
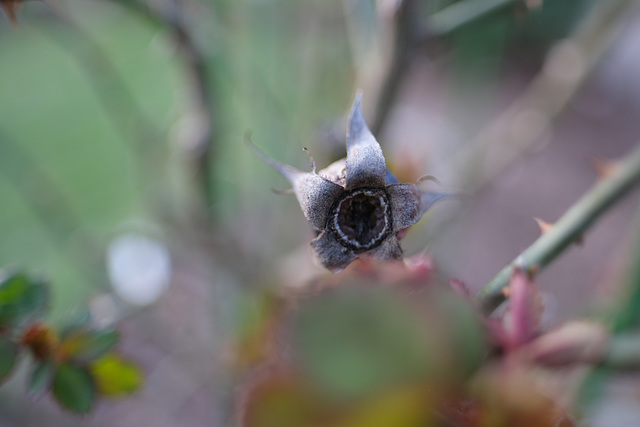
(115, 376)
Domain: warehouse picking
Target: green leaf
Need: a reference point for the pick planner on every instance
(74, 389)
(115, 376)
(87, 345)
(41, 377)
(8, 357)
(21, 298)
(355, 341)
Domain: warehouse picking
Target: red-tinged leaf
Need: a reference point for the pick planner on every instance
(524, 311)
(41, 339)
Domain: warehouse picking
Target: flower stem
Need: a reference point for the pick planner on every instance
(569, 228)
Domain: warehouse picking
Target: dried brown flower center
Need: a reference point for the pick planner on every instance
(361, 220)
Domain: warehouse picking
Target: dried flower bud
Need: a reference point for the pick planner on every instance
(356, 205)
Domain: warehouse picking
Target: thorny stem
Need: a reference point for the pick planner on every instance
(569, 228)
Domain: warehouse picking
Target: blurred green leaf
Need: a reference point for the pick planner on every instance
(74, 389)
(41, 377)
(86, 345)
(115, 376)
(21, 298)
(8, 357)
(356, 341)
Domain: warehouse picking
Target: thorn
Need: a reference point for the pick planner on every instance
(603, 167)
(533, 271)
(506, 291)
(544, 226)
(313, 162)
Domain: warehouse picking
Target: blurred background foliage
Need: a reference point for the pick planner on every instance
(125, 180)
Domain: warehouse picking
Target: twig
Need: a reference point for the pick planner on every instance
(406, 34)
(410, 33)
(568, 229)
(566, 68)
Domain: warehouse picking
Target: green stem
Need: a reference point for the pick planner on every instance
(568, 229)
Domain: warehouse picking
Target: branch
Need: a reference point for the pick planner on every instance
(531, 115)
(568, 229)
(406, 29)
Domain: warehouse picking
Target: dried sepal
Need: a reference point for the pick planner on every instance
(405, 205)
(331, 254)
(315, 194)
(366, 166)
(388, 251)
(429, 198)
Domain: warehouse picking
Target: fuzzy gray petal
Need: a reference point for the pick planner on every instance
(315, 193)
(405, 205)
(331, 254)
(366, 166)
(389, 250)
